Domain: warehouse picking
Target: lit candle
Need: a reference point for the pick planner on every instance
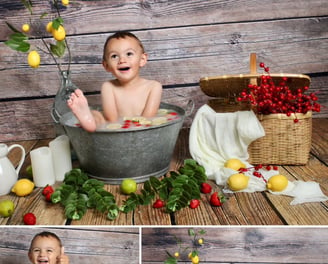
(42, 167)
(61, 156)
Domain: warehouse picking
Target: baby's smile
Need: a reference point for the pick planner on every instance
(123, 69)
(43, 261)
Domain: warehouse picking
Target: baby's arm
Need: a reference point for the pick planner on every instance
(153, 100)
(108, 102)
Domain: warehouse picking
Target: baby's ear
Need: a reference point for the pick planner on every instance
(30, 256)
(143, 60)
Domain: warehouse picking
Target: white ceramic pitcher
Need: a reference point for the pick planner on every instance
(8, 173)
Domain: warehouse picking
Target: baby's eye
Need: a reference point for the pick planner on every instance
(113, 56)
(130, 53)
(36, 250)
(49, 250)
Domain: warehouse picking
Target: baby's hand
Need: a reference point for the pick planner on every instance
(62, 259)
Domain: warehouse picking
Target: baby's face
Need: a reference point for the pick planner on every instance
(45, 250)
(124, 57)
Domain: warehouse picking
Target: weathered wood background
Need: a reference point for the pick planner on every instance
(230, 245)
(186, 40)
(82, 245)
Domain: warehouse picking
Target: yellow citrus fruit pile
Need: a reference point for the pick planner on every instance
(23, 187)
(277, 183)
(238, 182)
(234, 164)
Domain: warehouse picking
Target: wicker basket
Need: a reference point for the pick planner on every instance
(285, 142)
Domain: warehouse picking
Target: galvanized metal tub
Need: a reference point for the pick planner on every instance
(115, 155)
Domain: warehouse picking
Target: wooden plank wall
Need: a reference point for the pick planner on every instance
(185, 40)
(230, 245)
(82, 245)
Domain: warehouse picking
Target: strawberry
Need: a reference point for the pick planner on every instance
(215, 199)
(29, 219)
(194, 203)
(205, 188)
(47, 189)
(48, 196)
(158, 203)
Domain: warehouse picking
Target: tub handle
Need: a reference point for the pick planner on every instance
(190, 106)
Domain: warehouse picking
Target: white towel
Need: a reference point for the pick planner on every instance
(217, 137)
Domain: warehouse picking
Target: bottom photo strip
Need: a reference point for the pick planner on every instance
(196, 244)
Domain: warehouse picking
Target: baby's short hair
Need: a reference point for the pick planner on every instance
(122, 34)
(45, 234)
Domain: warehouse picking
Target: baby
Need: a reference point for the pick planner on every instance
(129, 94)
(46, 247)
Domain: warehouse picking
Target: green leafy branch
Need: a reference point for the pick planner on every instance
(176, 190)
(19, 40)
(77, 193)
(197, 241)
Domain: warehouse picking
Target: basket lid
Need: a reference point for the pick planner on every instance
(231, 85)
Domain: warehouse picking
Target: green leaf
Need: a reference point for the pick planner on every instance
(57, 22)
(18, 46)
(191, 232)
(170, 260)
(58, 49)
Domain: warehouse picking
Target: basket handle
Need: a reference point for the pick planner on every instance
(253, 68)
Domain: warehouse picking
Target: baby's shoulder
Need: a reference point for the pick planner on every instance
(153, 84)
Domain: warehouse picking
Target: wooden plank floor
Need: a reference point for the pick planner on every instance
(260, 208)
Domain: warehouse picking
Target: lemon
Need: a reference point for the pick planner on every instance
(49, 27)
(176, 254)
(190, 255)
(200, 241)
(65, 2)
(7, 208)
(195, 259)
(33, 59)
(234, 164)
(26, 28)
(277, 183)
(23, 187)
(59, 34)
(128, 186)
(238, 182)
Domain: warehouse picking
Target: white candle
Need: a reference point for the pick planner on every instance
(61, 156)
(42, 167)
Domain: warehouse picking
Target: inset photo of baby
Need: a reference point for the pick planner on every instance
(83, 245)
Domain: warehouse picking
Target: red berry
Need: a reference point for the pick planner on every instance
(215, 199)
(205, 188)
(194, 203)
(158, 203)
(47, 189)
(48, 196)
(262, 65)
(29, 219)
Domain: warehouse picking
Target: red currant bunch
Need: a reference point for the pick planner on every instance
(256, 171)
(270, 98)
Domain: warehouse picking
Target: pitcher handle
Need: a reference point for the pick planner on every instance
(22, 156)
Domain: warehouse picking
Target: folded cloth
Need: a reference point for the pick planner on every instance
(216, 137)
